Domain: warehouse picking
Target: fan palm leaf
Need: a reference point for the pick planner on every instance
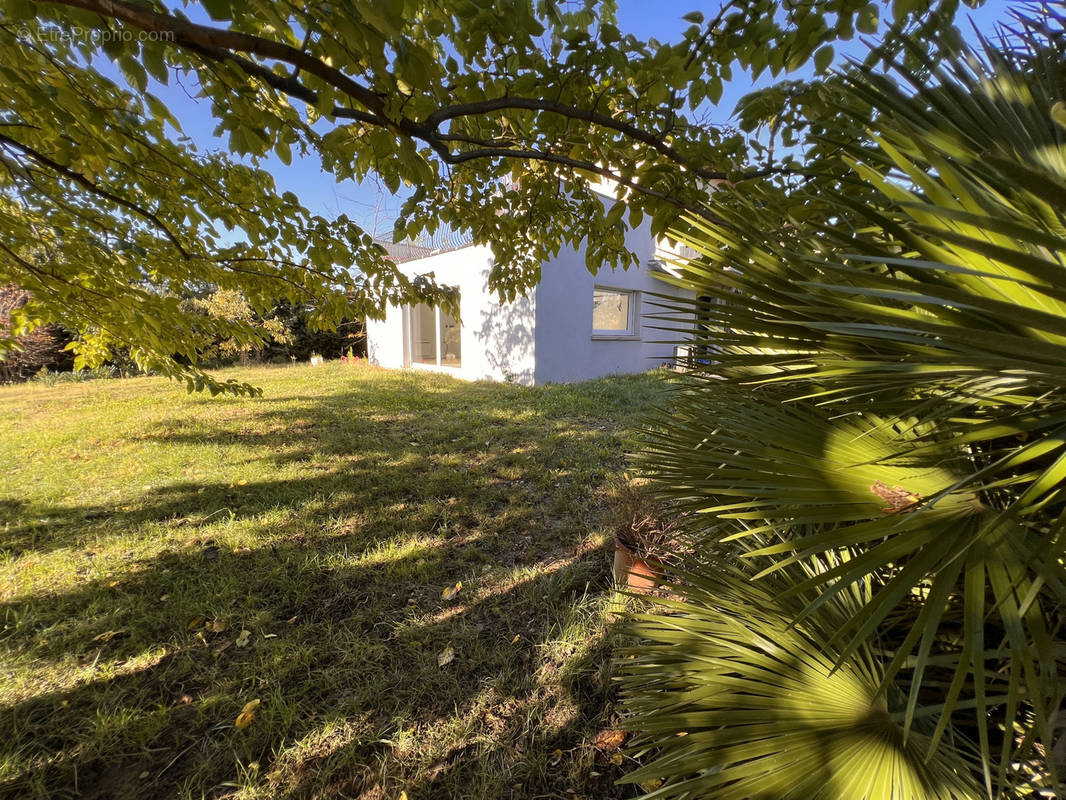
(884, 387)
(740, 705)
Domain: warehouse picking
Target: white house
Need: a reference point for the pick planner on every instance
(572, 326)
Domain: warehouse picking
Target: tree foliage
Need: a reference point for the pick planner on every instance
(501, 117)
(878, 429)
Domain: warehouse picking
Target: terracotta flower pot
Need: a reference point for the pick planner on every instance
(634, 573)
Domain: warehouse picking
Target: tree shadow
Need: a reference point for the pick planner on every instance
(129, 689)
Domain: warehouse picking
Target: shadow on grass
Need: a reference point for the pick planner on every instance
(397, 494)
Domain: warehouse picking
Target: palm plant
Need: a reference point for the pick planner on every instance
(877, 447)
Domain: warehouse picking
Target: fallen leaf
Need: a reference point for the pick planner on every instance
(218, 625)
(291, 621)
(242, 482)
(610, 739)
(243, 637)
(652, 785)
(451, 591)
(113, 584)
(517, 636)
(242, 551)
(446, 656)
(617, 759)
(195, 623)
(403, 796)
(244, 719)
(143, 775)
(557, 756)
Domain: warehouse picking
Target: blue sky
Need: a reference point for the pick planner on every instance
(372, 206)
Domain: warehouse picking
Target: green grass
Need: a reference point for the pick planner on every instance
(144, 529)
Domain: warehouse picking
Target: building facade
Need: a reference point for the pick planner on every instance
(572, 326)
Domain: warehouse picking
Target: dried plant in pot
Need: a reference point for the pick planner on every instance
(644, 538)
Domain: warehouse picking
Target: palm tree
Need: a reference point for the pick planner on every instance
(874, 458)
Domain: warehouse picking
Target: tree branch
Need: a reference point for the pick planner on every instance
(653, 140)
(218, 45)
(552, 158)
(204, 36)
(85, 183)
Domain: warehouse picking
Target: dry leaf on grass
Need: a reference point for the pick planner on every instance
(242, 638)
(446, 656)
(244, 719)
(610, 739)
(217, 626)
(195, 623)
(451, 591)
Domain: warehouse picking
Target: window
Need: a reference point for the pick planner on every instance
(614, 312)
(435, 337)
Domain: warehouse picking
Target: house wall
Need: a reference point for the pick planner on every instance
(497, 339)
(566, 348)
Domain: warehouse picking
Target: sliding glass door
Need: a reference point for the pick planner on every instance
(435, 337)
(423, 337)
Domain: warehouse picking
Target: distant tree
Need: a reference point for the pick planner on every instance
(258, 332)
(348, 335)
(30, 352)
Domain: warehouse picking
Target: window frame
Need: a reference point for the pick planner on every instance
(632, 331)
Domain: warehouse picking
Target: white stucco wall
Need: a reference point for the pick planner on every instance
(384, 339)
(566, 347)
(497, 339)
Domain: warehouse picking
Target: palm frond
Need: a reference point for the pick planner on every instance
(883, 387)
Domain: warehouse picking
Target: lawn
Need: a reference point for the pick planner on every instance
(167, 559)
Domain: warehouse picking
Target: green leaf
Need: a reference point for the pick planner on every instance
(823, 58)
(869, 17)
